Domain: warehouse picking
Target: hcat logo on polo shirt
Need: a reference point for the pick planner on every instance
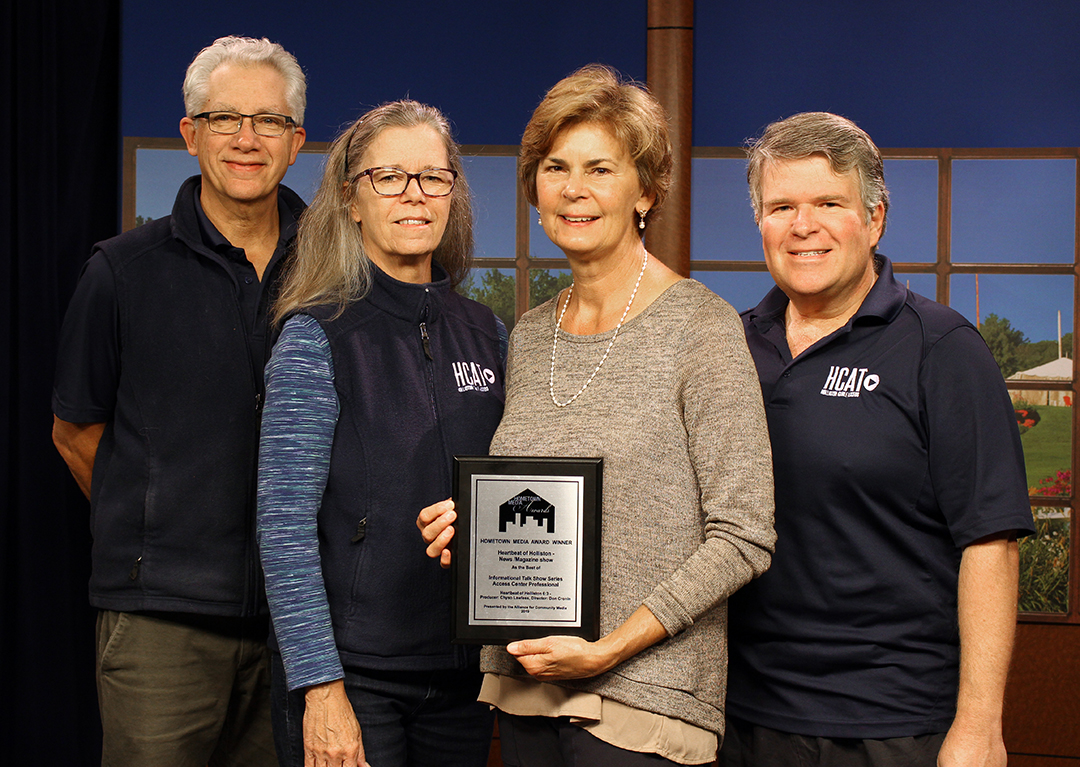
(849, 382)
(471, 377)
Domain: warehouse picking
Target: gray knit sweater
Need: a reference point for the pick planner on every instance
(676, 414)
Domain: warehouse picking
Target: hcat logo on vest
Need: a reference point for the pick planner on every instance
(472, 377)
(849, 382)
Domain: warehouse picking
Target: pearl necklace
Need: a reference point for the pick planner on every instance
(555, 341)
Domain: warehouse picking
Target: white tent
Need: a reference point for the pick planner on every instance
(1060, 369)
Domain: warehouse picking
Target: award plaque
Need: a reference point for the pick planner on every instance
(526, 550)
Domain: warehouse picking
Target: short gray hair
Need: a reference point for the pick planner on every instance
(844, 144)
(244, 51)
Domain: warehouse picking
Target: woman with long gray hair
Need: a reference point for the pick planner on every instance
(366, 403)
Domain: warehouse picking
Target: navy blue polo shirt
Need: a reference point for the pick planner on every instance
(894, 446)
(255, 295)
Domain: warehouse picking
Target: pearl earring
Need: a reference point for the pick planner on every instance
(641, 220)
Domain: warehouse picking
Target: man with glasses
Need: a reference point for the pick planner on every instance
(157, 401)
(882, 632)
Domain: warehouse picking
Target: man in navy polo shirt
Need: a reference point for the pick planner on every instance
(883, 631)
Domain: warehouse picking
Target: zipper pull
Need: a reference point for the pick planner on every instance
(361, 531)
(426, 340)
(258, 402)
(135, 569)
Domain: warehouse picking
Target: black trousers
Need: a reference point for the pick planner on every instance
(747, 745)
(546, 741)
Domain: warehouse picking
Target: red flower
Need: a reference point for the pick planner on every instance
(1058, 485)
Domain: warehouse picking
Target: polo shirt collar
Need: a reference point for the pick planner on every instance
(215, 240)
(884, 301)
(887, 296)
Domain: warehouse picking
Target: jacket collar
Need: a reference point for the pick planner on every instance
(414, 302)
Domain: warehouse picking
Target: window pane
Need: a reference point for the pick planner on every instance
(911, 230)
(1044, 563)
(495, 289)
(923, 284)
(743, 290)
(539, 244)
(1013, 211)
(722, 222)
(305, 175)
(545, 283)
(1046, 434)
(160, 172)
(1018, 316)
(492, 181)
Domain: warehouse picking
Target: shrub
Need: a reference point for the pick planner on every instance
(1044, 567)
(1026, 416)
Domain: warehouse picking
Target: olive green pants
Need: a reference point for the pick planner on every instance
(183, 690)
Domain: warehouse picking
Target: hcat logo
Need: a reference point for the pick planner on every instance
(849, 382)
(472, 377)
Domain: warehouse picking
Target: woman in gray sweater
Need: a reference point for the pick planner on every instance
(650, 371)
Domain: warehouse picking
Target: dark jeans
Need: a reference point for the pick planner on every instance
(407, 718)
(545, 741)
(748, 745)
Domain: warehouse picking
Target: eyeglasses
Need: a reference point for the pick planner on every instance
(264, 123)
(390, 182)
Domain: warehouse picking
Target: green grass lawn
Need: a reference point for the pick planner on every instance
(1047, 444)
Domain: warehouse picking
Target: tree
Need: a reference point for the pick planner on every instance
(544, 285)
(1040, 352)
(496, 290)
(1007, 344)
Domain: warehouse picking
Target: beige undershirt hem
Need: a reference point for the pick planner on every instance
(612, 722)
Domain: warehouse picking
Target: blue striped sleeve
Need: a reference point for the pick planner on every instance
(298, 425)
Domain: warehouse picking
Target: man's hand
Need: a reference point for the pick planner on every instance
(968, 746)
(986, 602)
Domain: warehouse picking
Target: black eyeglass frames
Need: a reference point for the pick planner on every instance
(264, 123)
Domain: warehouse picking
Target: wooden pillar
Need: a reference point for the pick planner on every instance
(670, 74)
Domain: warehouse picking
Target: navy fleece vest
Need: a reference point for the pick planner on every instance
(173, 497)
(419, 378)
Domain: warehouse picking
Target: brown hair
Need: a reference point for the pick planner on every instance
(844, 144)
(596, 93)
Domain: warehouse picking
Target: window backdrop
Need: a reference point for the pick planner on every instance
(917, 73)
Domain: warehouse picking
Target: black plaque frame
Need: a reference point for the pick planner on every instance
(463, 564)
